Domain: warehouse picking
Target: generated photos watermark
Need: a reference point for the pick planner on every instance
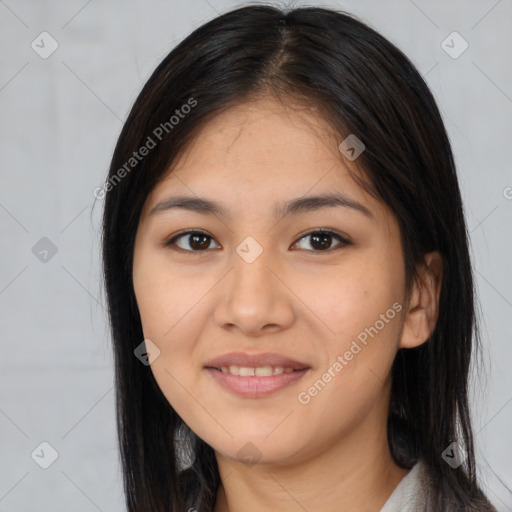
(304, 397)
(151, 142)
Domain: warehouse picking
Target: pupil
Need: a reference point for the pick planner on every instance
(204, 245)
(320, 237)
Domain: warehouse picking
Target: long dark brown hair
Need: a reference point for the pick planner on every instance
(362, 84)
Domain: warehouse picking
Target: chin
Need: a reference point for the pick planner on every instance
(256, 449)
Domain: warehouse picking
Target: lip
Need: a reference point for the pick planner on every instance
(255, 386)
(255, 360)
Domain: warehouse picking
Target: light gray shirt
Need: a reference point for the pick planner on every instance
(406, 495)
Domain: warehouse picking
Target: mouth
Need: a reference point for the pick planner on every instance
(255, 375)
(259, 371)
(261, 360)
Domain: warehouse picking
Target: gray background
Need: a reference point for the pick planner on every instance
(60, 119)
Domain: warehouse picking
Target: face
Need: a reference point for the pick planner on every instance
(302, 303)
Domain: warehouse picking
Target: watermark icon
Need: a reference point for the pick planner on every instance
(44, 45)
(454, 45)
(44, 455)
(44, 250)
(249, 249)
(146, 352)
(304, 397)
(454, 455)
(157, 135)
(249, 454)
(507, 193)
(351, 147)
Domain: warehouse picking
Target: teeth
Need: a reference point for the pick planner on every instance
(245, 371)
(260, 371)
(264, 371)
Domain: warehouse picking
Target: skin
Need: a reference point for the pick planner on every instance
(296, 299)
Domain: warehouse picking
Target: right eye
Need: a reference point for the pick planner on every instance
(198, 240)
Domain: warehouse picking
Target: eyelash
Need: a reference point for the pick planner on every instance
(343, 241)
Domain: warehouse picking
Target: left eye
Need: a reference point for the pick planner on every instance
(323, 238)
(200, 241)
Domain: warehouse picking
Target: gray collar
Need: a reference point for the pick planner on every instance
(406, 493)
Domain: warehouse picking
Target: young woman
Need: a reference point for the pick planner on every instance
(288, 279)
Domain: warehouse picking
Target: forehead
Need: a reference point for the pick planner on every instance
(263, 152)
(264, 129)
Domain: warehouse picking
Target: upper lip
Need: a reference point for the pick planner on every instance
(255, 360)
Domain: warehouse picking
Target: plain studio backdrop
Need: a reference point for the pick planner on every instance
(69, 74)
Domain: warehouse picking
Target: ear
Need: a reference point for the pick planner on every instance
(421, 317)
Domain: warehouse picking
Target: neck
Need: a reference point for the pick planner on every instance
(354, 474)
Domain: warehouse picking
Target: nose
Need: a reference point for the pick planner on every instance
(254, 297)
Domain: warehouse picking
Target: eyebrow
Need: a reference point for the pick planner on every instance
(294, 206)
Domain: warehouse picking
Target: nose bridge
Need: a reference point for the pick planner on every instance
(251, 272)
(254, 296)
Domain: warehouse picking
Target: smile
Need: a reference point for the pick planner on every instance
(259, 382)
(260, 371)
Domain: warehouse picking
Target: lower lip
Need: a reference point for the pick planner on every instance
(254, 387)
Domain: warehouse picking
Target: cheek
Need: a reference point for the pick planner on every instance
(361, 305)
(165, 297)
(353, 296)
(169, 305)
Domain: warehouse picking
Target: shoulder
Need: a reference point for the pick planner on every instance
(422, 490)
